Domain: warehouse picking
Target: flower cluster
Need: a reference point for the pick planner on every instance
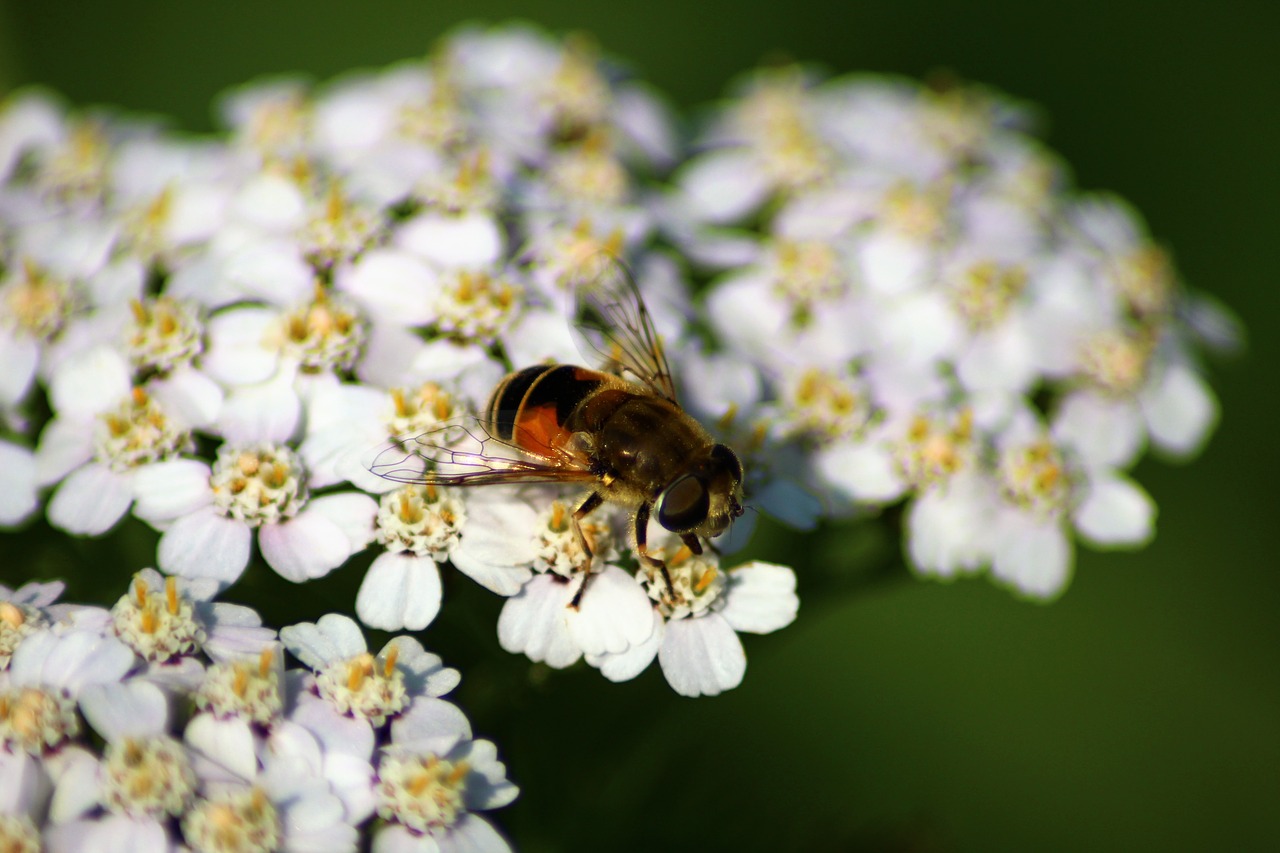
(204, 739)
(227, 332)
(905, 303)
(912, 295)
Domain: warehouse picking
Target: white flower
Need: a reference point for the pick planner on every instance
(143, 778)
(209, 515)
(47, 674)
(355, 682)
(694, 632)
(432, 780)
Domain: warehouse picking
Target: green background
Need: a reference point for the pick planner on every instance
(1141, 711)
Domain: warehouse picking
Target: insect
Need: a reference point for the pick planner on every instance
(619, 429)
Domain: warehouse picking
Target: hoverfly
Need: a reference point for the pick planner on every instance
(619, 429)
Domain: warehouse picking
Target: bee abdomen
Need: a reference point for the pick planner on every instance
(547, 393)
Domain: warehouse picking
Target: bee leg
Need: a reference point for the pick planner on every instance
(691, 542)
(642, 548)
(593, 500)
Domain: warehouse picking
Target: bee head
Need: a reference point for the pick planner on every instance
(705, 500)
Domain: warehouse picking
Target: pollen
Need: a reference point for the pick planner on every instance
(422, 792)
(696, 584)
(556, 546)
(935, 448)
(774, 117)
(17, 621)
(35, 303)
(590, 173)
(79, 168)
(1117, 360)
(421, 519)
(33, 720)
(578, 95)
(258, 484)
(147, 777)
(1147, 281)
(1034, 477)
(917, 214)
(365, 686)
(325, 334)
(234, 821)
(138, 432)
(248, 688)
(825, 405)
(474, 306)
(807, 272)
(984, 292)
(338, 230)
(158, 624)
(415, 411)
(164, 334)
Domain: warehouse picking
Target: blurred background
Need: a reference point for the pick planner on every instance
(1141, 711)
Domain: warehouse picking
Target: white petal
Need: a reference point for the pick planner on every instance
(1116, 511)
(469, 241)
(425, 672)
(170, 489)
(433, 721)
(306, 546)
(392, 284)
(626, 665)
(388, 356)
(19, 356)
(949, 526)
(760, 598)
(80, 658)
(702, 656)
(400, 591)
(205, 544)
(334, 637)
(1032, 555)
(490, 552)
(863, 472)
(189, 395)
(473, 834)
(238, 351)
(121, 710)
(267, 412)
(1181, 411)
(1106, 433)
(535, 622)
(352, 512)
(91, 500)
(614, 614)
(724, 186)
(17, 483)
(79, 787)
(65, 444)
(271, 270)
(223, 744)
(89, 383)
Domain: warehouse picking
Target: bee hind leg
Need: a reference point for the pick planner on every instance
(594, 500)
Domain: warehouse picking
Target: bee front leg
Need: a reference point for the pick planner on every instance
(592, 502)
(642, 538)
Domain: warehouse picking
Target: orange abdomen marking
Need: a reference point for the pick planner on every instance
(531, 407)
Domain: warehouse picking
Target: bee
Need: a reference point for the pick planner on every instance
(620, 430)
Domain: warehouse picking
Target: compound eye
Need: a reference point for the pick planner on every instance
(684, 505)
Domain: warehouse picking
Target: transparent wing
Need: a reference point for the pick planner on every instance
(611, 318)
(464, 453)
